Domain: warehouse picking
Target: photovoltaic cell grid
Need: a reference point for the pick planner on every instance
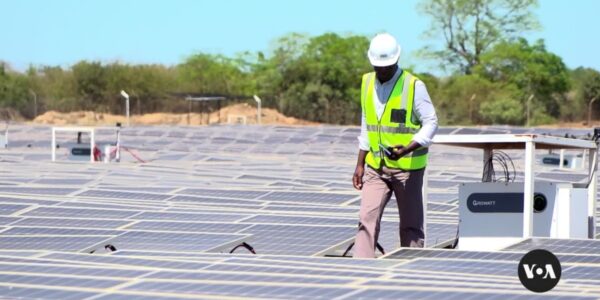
(559, 246)
(286, 192)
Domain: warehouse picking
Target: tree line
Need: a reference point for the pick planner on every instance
(495, 76)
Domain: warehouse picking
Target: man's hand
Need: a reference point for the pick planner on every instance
(357, 178)
(397, 152)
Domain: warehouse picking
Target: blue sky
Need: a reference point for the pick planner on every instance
(62, 32)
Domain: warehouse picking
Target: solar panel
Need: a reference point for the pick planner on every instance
(62, 181)
(205, 200)
(37, 191)
(564, 177)
(442, 184)
(70, 223)
(113, 260)
(258, 177)
(421, 294)
(80, 213)
(170, 241)
(277, 219)
(441, 197)
(59, 281)
(130, 296)
(439, 233)
(582, 272)
(280, 270)
(441, 207)
(188, 226)
(407, 253)
(34, 267)
(122, 195)
(222, 193)
(55, 243)
(151, 189)
(19, 253)
(467, 131)
(473, 267)
(58, 231)
(8, 220)
(242, 290)
(288, 194)
(317, 198)
(296, 239)
(558, 245)
(311, 209)
(211, 275)
(42, 293)
(107, 205)
(198, 217)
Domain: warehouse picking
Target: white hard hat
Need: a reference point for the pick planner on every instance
(384, 50)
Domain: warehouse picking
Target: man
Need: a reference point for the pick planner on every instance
(398, 124)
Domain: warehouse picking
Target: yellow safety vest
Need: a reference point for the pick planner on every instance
(396, 126)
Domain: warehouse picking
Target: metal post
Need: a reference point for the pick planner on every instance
(561, 160)
(53, 144)
(592, 166)
(126, 96)
(528, 108)
(92, 144)
(127, 110)
(258, 112)
(118, 154)
(204, 113)
(189, 109)
(219, 109)
(528, 190)
(589, 119)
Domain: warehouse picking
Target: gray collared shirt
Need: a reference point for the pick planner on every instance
(422, 108)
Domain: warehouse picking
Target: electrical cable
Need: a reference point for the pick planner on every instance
(139, 159)
(502, 160)
(134, 155)
(506, 159)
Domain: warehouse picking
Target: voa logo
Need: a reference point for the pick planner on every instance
(545, 272)
(539, 271)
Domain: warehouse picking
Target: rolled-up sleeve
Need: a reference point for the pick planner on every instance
(363, 139)
(425, 112)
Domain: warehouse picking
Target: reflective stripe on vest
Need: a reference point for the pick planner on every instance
(382, 130)
(390, 129)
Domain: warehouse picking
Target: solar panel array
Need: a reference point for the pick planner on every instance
(164, 228)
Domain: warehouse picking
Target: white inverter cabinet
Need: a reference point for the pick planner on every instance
(495, 215)
(495, 210)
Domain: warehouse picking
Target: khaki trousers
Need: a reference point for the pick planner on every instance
(378, 186)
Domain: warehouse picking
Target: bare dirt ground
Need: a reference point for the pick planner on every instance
(238, 113)
(581, 124)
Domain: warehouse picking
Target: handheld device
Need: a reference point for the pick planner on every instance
(385, 149)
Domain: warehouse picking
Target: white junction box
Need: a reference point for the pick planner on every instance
(81, 150)
(112, 153)
(569, 161)
(491, 213)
